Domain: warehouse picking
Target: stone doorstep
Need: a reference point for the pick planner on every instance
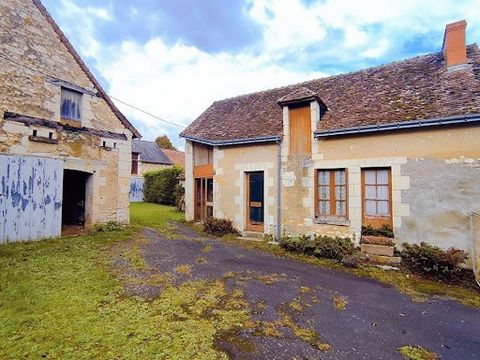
(249, 238)
(377, 249)
(252, 234)
(376, 240)
(385, 260)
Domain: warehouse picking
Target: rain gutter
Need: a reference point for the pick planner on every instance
(414, 124)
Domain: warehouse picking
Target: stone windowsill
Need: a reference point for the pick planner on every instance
(42, 139)
(332, 220)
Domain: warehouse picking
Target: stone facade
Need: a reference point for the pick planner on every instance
(36, 56)
(434, 178)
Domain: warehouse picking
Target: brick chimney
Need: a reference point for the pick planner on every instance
(454, 43)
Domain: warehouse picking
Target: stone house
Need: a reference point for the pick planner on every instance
(148, 156)
(65, 148)
(392, 145)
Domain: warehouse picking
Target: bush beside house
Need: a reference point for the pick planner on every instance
(335, 248)
(160, 185)
(218, 227)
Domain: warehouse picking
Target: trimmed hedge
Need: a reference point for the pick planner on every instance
(159, 186)
(335, 248)
(218, 227)
(426, 259)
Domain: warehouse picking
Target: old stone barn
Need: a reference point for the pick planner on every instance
(65, 149)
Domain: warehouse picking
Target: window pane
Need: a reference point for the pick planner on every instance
(383, 193)
(382, 177)
(383, 208)
(340, 177)
(324, 207)
(340, 208)
(324, 177)
(371, 208)
(340, 192)
(209, 190)
(70, 104)
(324, 193)
(371, 192)
(370, 177)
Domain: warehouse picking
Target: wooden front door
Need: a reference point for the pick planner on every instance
(377, 197)
(255, 201)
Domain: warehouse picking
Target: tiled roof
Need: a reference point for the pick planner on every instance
(177, 157)
(299, 95)
(150, 152)
(85, 68)
(418, 88)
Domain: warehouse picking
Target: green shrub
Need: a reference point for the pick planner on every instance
(332, 248)
(160, 185)
(218, 227)
(385, 230)
(292, 244)
(426, 259)
(335, 248)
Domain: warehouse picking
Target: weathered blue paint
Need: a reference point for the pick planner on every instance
(136, 189)
(30, 197)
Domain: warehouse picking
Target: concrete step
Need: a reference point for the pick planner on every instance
(243, 238)
(252, 234)
(384, 260)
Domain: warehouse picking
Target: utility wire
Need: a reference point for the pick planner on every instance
(112, 97)
(146, 112)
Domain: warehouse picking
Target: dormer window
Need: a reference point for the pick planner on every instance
(71, 104)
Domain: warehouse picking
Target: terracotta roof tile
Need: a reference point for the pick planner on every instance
(177, 157)
(418, 88)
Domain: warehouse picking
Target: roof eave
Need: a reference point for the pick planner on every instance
(256, 140)
(404, 125)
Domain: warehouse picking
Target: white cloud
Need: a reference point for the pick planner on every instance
(178, 81)
(81, 22)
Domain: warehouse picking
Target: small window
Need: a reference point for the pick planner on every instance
(331, 193)
(34, 133)
(50, 135)
(71, 105)
(134, 164)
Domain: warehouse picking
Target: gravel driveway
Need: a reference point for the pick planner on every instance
(360, 317)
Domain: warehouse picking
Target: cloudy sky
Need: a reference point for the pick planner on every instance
(174, 58)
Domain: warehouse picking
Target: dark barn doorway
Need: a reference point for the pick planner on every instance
(74, 199)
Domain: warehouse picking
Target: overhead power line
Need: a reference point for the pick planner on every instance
(112, 97)
(146, 112)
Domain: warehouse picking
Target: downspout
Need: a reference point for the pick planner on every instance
(278, 233)
(475, 255)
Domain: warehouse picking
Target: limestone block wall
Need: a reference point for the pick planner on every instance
(230, 166)
(36, 56)
(144, 167)
(435, 180)
(189, 182)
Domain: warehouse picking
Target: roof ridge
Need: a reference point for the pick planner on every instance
(307, 82)
(64, 40)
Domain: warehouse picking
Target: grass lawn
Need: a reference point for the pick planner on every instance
(60, 299)
(63, 298)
